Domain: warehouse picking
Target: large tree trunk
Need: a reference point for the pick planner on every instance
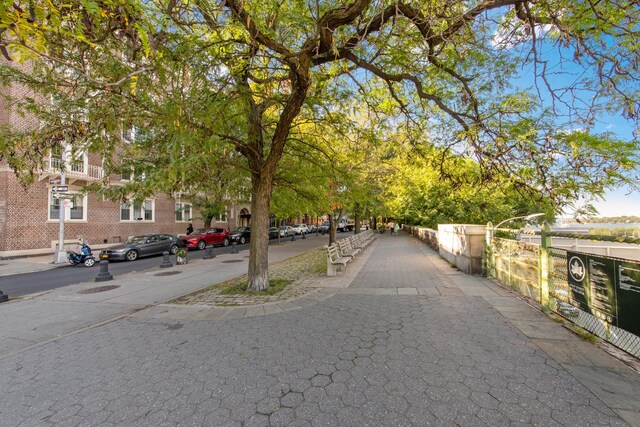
(263, 169)
(356, 219)
(259, 244)
(333, 224)
(332, 229)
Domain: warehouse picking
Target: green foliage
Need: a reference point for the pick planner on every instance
(617, 232)
(417, 194)
(227, 93)
(615, 219)
(193, 81)
(181, 253)
(275, 286)
(587, 336)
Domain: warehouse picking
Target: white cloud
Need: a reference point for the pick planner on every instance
(512, 32)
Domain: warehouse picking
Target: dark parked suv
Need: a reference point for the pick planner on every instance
(324, 227)
(240, 235)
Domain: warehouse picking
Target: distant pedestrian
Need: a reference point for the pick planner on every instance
(391, 227)
(190, 229)
(396, 228)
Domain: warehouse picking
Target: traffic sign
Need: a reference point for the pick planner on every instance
(55, 181)
(62, 196)
(60, 188)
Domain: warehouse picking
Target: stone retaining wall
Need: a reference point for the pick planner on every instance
(460, 244)
(427, 235)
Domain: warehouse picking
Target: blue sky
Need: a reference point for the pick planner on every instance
(616, 202)
(619, 203)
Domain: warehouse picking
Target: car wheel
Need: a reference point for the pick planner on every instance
(225, 242)
(89, 262)
(242, 240)
(201, 245)
(131, 256)
(174, 249)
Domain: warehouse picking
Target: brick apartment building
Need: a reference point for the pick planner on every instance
(29, 217)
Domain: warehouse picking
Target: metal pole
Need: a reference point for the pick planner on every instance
(489, 251)
(546, 267)
(61, 255)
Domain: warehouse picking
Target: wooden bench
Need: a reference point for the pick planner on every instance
(357, 242)
(346, 250)
(362, 240)
(335, 260)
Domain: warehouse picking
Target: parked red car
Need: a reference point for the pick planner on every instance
(204, 237)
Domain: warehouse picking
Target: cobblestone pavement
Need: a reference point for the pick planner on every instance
(438, 357)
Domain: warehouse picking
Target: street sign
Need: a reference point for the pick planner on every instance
(60, 188)
(62, 196)
(55, 181)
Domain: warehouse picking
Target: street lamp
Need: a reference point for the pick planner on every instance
(526, 218)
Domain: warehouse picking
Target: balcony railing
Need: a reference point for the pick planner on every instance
(75, 170)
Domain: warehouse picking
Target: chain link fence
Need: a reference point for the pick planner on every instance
(559, 303)
(517, 264)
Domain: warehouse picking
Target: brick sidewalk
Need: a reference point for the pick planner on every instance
(411, 341)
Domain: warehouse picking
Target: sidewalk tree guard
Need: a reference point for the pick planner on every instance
(246, 75)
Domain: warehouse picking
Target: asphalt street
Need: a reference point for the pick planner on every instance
(41, 281)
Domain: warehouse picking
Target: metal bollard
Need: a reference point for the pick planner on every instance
(293, 237)
(208, 254)
(304, 236)
(104, 274)
(3, 297)
(166, 262)
(234, 249)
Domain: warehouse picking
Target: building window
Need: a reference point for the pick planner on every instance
(137, 211)
(128, 173)
(183, 212)
(129, 133)
(222, 217)
(76, 159)
(75, 203)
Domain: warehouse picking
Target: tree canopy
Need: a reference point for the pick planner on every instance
(244, 75)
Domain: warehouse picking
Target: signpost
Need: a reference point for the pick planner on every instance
(607, 288)
(61, 255)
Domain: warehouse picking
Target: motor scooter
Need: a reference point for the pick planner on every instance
(84, 257)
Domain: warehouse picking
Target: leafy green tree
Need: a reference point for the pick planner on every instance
(415, 193)
(247, 73)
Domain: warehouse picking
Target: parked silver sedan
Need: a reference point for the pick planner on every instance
(141, 246)
(286, 231)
